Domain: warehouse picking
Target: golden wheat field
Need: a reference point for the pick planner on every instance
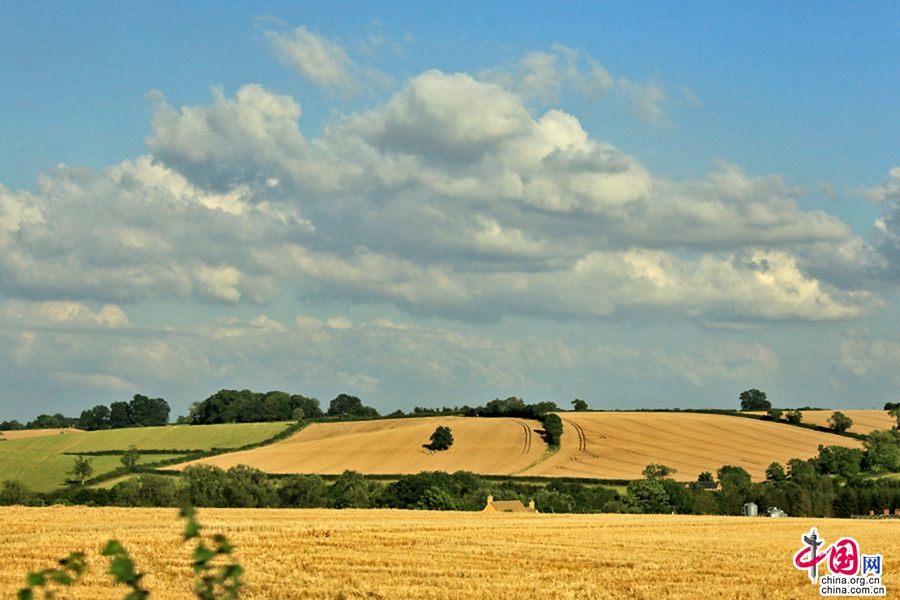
(22, 434)
(864, 421)
(486, 446)
(394, 554)
(618, 445)
(602, 445)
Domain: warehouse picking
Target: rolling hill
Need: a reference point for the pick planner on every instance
(39, 461)
(864, 421)
(395, 446)
(602, 445)
(618, 445)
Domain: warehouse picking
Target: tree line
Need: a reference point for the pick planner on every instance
(246, 487)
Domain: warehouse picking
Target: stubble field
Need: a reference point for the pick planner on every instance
(602, 445)
(323, 554)
(395, 446)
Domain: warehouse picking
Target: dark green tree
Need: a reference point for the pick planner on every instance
(435, 498)
(754, 399)
(794, 417)
(775, 473)
(303, 491)
(441, 439)
(350, 490)
(148, 412)
(734, 477)
(120, 415)
(94, 418)
(648, 496)
(840, 422)
(350, 406)
(802, 472)
(657, 472)
(511, 406)
(205, 485)
(14, 492)
(846, 503)
(310, 406)
(775, 413)
(894, 412)
(47, 422)
(883, 450)
(705, 476)
(839, 460)
(247, 487)
(579, 405)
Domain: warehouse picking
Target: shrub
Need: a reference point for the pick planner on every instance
(553, 427)
(794, 417)
(14, 492)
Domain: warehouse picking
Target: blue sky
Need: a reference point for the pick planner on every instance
(437, 204)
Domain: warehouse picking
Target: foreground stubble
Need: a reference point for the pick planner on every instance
(408, 554)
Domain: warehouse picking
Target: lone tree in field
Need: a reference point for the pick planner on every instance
(579, 405)
(840, 422)
(82, 469)
(754, 400)
(130, 458)
(441, 439)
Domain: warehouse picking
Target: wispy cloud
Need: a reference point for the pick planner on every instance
(324, 61)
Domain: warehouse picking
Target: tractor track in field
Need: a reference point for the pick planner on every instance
(528, 435)
(582, 438)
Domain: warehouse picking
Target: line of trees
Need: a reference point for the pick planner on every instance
(246, 487)
(141, 411)
(56, 421)
(244, 406)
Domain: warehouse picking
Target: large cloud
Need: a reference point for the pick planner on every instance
(453, 198)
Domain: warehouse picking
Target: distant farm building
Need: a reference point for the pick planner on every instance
(709, 486)
(508, 506)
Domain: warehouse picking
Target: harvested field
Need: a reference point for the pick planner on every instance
(30, 433)
(864, 421)
(395, 446)
(618, 445)
(319, 554)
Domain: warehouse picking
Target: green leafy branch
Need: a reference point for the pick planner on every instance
(70, 571)
(226, 578)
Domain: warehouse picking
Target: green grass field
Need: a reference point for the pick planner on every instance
(40, 462)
